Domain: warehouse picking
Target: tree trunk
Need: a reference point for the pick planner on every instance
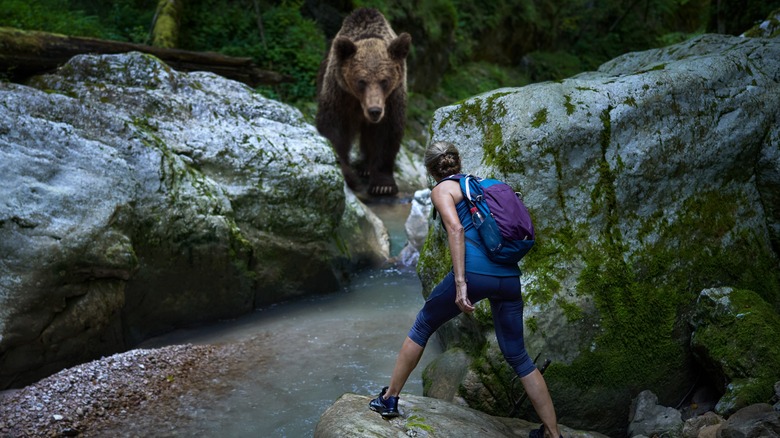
(27, 53)
(165, 31)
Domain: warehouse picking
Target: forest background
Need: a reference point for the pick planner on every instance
(460, 47)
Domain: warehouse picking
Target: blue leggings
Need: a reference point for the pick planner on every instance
(506, 303)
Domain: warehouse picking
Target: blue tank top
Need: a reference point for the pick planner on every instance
(477, 260)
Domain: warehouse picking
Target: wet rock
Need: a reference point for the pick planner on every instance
(754, 421)
(416, 228)
(648, 418)
(695, 427)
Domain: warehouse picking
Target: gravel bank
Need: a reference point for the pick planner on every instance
(105, 393)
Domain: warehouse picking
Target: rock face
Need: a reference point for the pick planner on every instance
(135, 199)
(649, 180)
(349, 416)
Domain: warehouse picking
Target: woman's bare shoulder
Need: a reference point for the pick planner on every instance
(449, 189)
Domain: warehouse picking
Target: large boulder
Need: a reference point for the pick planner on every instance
(422, 417)
(649, 180)
(135, 199)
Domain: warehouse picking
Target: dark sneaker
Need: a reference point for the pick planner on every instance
(387, 408)
(538, 433)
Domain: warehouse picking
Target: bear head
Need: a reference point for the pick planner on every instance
(370, 69)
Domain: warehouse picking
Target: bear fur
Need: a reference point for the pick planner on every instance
(361, 93)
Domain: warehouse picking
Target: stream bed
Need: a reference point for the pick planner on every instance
(304, 354)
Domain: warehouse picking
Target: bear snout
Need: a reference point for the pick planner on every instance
(374, 113)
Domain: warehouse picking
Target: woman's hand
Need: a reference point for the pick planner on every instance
(462, 297)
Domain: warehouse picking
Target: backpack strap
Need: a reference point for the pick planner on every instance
(465, 187)
(471, 189)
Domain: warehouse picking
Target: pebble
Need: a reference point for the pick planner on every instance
(100, 395)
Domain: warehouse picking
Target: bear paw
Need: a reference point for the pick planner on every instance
(383, 190)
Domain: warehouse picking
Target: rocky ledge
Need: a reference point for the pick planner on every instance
(422, 417)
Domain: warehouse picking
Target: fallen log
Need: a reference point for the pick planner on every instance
(27, 53)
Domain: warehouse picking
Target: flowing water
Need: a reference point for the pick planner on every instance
(303, 355)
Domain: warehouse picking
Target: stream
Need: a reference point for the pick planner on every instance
(304, 354)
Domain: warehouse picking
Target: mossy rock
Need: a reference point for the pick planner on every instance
(735, 339)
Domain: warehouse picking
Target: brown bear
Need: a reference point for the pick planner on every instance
(361, 92)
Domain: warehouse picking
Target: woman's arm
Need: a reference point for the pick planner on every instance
(444, 197)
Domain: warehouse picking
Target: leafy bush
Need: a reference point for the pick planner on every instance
(296, 47)
(49, 15)
(552, 66)
(288, 43)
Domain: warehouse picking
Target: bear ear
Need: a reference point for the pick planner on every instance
(344, 48)
(399, 47)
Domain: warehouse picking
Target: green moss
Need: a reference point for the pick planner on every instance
(741, 343)
(653, 68)
(483, 314)
(493, 372)
(548, 261)
(569, 106)
(532, 324)
(418, 422)
(630, 101)
(483, 112)
(435, 261)
(540, 118)
(571, 311)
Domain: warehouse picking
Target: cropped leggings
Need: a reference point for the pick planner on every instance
(506, 303)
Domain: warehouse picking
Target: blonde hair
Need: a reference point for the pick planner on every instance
(442, 159)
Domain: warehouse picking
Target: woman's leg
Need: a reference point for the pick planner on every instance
(507, 308)
(407, 360)
(537, 391)
(439, 308)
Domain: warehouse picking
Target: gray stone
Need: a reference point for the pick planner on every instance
(693, 426)
(416, 227)
(754, 421)
(649, 418)
(135, 199)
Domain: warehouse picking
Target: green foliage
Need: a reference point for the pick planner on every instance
(553, 66)
(479, 77)
(289, 43)
(296, 48)
(48, 15)
(124, 20)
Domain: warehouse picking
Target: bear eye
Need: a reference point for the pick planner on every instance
(384, 83)
(361, 85)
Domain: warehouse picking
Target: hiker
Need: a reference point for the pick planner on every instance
(473, 277)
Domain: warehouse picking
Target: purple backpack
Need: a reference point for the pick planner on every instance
(500, 217)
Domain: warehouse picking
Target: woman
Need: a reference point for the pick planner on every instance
(473, 277)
